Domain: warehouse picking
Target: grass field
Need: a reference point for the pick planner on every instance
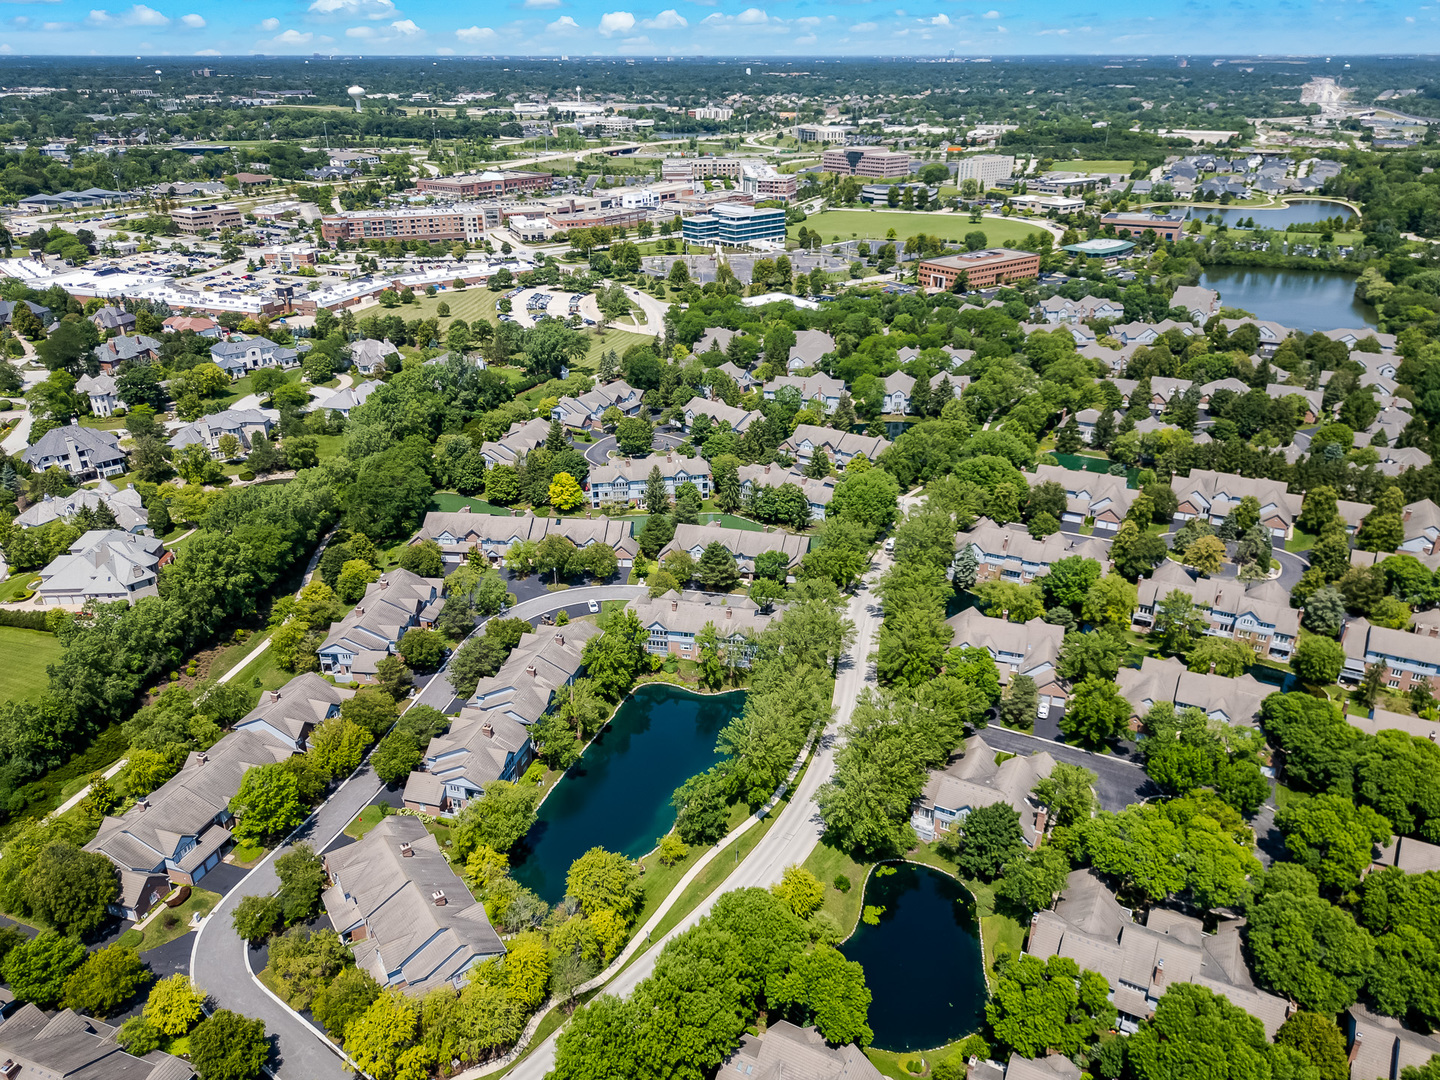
(157, 933)
(873, 224)
(29, 652)
(1109, 165)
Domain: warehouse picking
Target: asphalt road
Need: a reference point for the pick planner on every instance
(1120, 782)
(792, 837)
(598, 452)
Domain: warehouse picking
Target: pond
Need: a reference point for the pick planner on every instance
(1306, 300)
(1295, 212)
(922, 961)
(617, 796)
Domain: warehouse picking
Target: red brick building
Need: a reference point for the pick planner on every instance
(486, 185)
(981, 268)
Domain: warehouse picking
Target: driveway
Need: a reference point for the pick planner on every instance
(1121, 782)
(598, 452)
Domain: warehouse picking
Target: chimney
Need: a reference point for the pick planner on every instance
(142, 805)
(1355, 1046)
(559, 639)
(674, 605)
(1212, 667)
(384, 582)
(1005, 545)
(203, 758)
(406, 851)
(669, 456)
(274, 696)
(729, 611)
(1042, 818)
(438, 897)
(1159, 970)
(767, 470)
(530, 669)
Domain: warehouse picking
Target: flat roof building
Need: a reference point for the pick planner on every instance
(485, 185)
(1100, 248)
(735, 225)
(1167, 226)
(872, 161)
(205, 219)
(460, 222)
(990, 266)
(986, 168)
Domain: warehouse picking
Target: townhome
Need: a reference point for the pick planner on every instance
(587, 411)
(481, 746)
(1352, 336)
(1227, 700)
(349, 399)
(1313, 409)
(1408, 659)
(624, 480)
(1271, 333)
(516, 443)
(1031, 649)
(244, 425)
(955, 356)
(1140, 333)
(369, 633)
(118, 350)
(943, 382)
(1142, 960)
(409, 919)
(1199, 303)
(817, 492)
(462, 532)
(714, 339)
(742, 379)
(1114, 360)
(1395, 460)
(839, 446)
(676, 618)
(809, 347)
(744, 544)
(289, 714)
(817, 389)
(899, 388)
(1010, 553)
(1164, 391)
(1212, 496)
(104, 565)
(787, 1051)
(100, 389)
(972, 780)
(1422, 528)
(1258, 613)
(125, 506)
(69, 1046)
(176, 834)
(372, 357)
(80, 451)
(251, 354)
(1100, 497)
(1381, 1048)
(1235, 386)
(537, 669)
(739, 420)
(1058, 309)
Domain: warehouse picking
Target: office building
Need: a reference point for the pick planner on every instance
(206, 219)
(735, 226)
(486, 185)
(824, 133)
(985, 168)
(459, 222)
(872, 161)
(982, 269)
(1168, 227)
(767, 182)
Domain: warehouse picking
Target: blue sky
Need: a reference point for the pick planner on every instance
(718, 27)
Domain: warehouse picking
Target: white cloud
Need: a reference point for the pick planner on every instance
(752, 16)
(476, 33)
(940, 20)
(100, 17)
(669, 19)
(269, 25)
(208, 52)
(991, 15)
(616, 22)
(20, 20)
(6, 49)
(864, 27)
(1001, 30)
(563, 25)
(140, 15)
(291, 37)
(369, 9)
(194, 22)
(808, 21)
(58, 27)
(406, 28)
(806, 39)
(360, 32)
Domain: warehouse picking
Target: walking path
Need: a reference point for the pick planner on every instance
(79, 796)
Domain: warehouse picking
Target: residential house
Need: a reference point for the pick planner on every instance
(809, 347)
(1141, 333)
(839, 446)
(289, 714)
(1409, 659)
(623, 480)
(899, 388)
(244, 425)
(203, 325)
(588, 409)
(110, 318)
(462, 532)
(1351, 336)
(956, 356)
(1271, 333)
(1113, 359)
(374, 357)
(787, 1052)
(352, 397)
(1381, 1047)
(1258, 613)
(1031, 649)
(7, 311)
(69, 1046)
(1229, 700)
(125, 506)
(1395, 460)
(1408, 855)
(369, 633)
(739, 420)
(1313, 409)
(1164, 390)
(972, 780)
(956, 384)
(1100, 497)
(1200, 303)
(1059, 309)
(111, 354)
(1212, 496)
(177, 834)
(818, 389)
(235, 358)
(675, 619)
(1422, 528)
(1010, 553)
(515, 443)
(742, 379)
(104, 565)
(100, 389)
(80, 451)
(817, 492)
(714, 339)
(744, 544)
(1235, 386)
(537, 669)
(409, 919)
(1142, 960)
(481, 746)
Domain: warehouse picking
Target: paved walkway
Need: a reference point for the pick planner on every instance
(79, 796)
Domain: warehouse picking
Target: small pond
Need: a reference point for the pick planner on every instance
(922, 961)
(617, 796)
(1306, 300)
(1295, 212)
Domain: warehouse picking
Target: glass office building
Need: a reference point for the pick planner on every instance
(734, 225)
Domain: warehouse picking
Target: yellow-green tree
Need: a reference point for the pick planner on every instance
(565, 492)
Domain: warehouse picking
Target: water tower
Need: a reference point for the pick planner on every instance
(357, 93)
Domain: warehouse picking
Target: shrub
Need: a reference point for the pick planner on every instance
(842, 883)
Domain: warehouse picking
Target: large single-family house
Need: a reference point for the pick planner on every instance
(347, 400)
(1212, 496)
(675, 619)
(1408, 659)
(809, 347)
(1010, 553)
(289, 714)
(744, 544)
(364, 637)
(839, 446)
(80, 451)
(104, 565)
(817, 492)
(125, 506)
(245, 425)
(202, 325)
(69, 1046)
(461, 532)
(372, 357)
(100, 389)
(1031, 649)
(899, 389)
(237, 357)
(409, 919)
(111, 354)
(113, 318)
(623, 480)
(818, 389)
(972, 779)
(1229, 700)
(1099, 496)
(515, 443)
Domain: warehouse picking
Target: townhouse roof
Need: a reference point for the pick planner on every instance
(518, 441)
(685, 612)
(672, 467)
(845, 443)
(712, 337)
(1014, 544)
(68, 1046)
(1410, 855)
(1236, 700)
(787, 1052)
(1267, 601)
(301, 703)
(477, 747)
(1089, 493)
(810, 346)
(1220, 493)
(899, 381)
(972, 780)
(718, 412)
(125, 504)
(1168, 576)
(420, 920)
(1024, 647)
(536, 669)
(103, 446)
(388, 607)
(1361, 638)
(1313, 397)
(456, 531)
(808, 386)
(1382, 1048)
(818, 491)
(742, 543)
(1420, 517)
(1195, 298)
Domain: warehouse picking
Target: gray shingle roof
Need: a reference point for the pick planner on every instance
(68, 1046)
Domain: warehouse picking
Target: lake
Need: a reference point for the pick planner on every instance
(1295, 212)
(1303, 299)
(922, 961)
(617, 796)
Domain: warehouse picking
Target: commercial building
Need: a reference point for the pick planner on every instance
(701, 168)
(206, 219)
(986, 168)
(824, 133)
(768, 182)
(712, 112)
(459, 222)
(1100, 248)
(291, 256)
(991, 266)
(871, 161)
(735, 226)
(486, 185)
(1167, 227)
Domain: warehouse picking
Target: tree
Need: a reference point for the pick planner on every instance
(1135, 553)
(255, 917)
(527, 968)
(1332, 837)
(69, 888)
(869, 498)
(1318, 660)
(302, 880)
(1304, 947)
(602, 880)
(1032, 879)
(1319, 1040)
(354, 577)
(106, 981)
(423, 650)
(36, 970)
(1221, 656)
(1019, 703)
(825, 989)
(989, 837)
(174, 1005)
(1048, 1005)
(228, 1046)
(1085, 654)
(343, 999)
(498, 819)
(1191, 1024)
(1178, 622)
(717, 570)
(337, 746)
(1110, 602)
(1325, 612)
(634, 436)
(1206, 554)
(267, 804)
(1096, 712)
(1068, 793)
(565, 492)
(424, 558)
(372, 709)
(800, 890)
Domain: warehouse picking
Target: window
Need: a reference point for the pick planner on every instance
(1394, 684)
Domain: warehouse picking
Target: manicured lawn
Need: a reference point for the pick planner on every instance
(157, 933)
(264, 668)
(451, 502)
(26, 652)
(1099, 166)
(247, 853)
(371, 816)
(826, 862)
(15, 584)
(243, 387)
(893, 1065)
(873, 225)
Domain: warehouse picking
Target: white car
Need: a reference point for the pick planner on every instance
(594, 607)
(889, 545)
(1044, 710)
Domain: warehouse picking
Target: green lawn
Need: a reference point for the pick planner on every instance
(1098, 166)
(27, 653)
(372, 815)
(242, 387)
(873, 225)
(157, 933)
(15, 584)
(452, 502)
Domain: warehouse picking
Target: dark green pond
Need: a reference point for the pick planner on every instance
(618, 795)
(922, 962)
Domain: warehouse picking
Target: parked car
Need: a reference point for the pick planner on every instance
(889, 544)
(1044, 710)
(594, 607)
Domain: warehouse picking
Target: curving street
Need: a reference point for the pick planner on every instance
(598, 452)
